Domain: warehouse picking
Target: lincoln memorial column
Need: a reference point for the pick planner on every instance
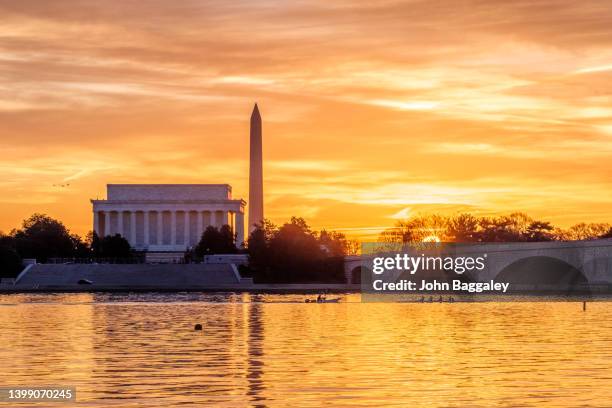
(213, 218)
(224, 218)
(239, 228)
(106, 223)
(186, 228)
(133, 228)
(146, 227)
(120, 224)
(173, 228)
(200, 225)
(96, 226)
(160, 227)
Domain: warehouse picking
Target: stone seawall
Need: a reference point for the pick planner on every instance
(148, 277)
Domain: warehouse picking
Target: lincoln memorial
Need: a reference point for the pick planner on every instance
(167, 217)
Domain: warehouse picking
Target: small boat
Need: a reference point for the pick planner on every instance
(85, 282)
(334, 300)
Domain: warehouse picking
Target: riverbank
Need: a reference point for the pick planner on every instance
(150, 278)
(254, 288)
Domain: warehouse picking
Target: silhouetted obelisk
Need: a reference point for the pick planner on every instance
(256, 214)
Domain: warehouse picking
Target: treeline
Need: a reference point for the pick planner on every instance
(289, 253)
(293, 253)
(42, 238)
(516, 227)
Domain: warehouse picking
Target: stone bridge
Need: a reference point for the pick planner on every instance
(590, 261)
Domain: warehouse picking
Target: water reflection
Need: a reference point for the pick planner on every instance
(141, 350)
(255, 356)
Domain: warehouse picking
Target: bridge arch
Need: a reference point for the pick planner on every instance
(356, 273)
(537, 269)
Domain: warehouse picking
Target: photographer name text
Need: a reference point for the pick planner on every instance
(436, 286)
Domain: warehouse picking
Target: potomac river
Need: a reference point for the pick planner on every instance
(141, 350)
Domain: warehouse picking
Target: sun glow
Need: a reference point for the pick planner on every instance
(361, 131)
(431, 238)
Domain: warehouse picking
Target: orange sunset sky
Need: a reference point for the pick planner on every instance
(372, 111)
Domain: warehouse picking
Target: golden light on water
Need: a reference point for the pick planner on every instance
(298, 354)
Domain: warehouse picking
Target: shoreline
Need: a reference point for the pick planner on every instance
(255, 288)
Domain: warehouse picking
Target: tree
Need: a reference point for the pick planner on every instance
(507, 228)
(333, 243)
(258, 246)
(227, 239)
(208, 242)
(111, 246)
(82, 249)
(336, 244)
(294, 253)
(264, 230)
(10, 261)
(422, 228)
(43, 237)
(516, 227)
(607, 234)
(7, 240)
(216, 241)
(353, 247)
(463, 228)
(94, 243)
(584, 231)
(539, 231)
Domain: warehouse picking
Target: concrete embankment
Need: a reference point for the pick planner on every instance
(147, 277)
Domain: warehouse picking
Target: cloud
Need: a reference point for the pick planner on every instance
(402, 214)
(405, 105)
(312, 165)
(369, 108)
(590, 70)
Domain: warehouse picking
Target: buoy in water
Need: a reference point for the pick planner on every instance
(197, 327)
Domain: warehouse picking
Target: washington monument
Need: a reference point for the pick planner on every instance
(256, 214)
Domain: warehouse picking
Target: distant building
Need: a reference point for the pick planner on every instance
(167, 217)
